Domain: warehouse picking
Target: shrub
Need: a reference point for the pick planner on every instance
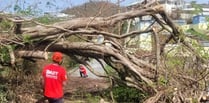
(124, 94)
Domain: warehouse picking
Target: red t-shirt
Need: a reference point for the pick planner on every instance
(54, 75)
(83, 70)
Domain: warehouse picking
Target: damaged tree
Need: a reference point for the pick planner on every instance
(180, 82)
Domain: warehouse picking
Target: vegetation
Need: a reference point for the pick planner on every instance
(123, 94)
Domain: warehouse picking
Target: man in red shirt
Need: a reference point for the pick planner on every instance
(82, 70)
(54, 78)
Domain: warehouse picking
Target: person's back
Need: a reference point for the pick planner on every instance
(54, 77)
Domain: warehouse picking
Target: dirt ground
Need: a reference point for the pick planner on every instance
(88, 84)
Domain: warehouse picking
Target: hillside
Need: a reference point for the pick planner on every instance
(94, 8)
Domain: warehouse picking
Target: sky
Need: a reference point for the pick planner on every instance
(57, 5)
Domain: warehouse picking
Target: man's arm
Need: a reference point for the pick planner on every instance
(65, 78)
(64, 83)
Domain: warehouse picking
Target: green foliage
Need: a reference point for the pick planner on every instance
(207, 18)
(4, 55)
(132, 25)
(5, 25)
(28, 11)
(4, 89)
(26, 39)
(50, 4)
(47, 19)
(17, 8)
(3, 93)
(74, 38)
(195, 100)
(92, 99)
(162, 80)
(44, 20)
(124, 27)
(201, 50)
(123, 94)
(110, 70)
(174, 62)
(83, 95)
(198, 8)
(198, 33)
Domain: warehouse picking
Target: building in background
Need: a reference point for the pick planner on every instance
(188, 10)
(184, 17)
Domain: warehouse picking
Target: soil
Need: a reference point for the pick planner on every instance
(87, 84)
(78, 88)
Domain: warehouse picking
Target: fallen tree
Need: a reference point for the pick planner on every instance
(135, 70)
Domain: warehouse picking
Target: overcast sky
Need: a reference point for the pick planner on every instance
(57, 5)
